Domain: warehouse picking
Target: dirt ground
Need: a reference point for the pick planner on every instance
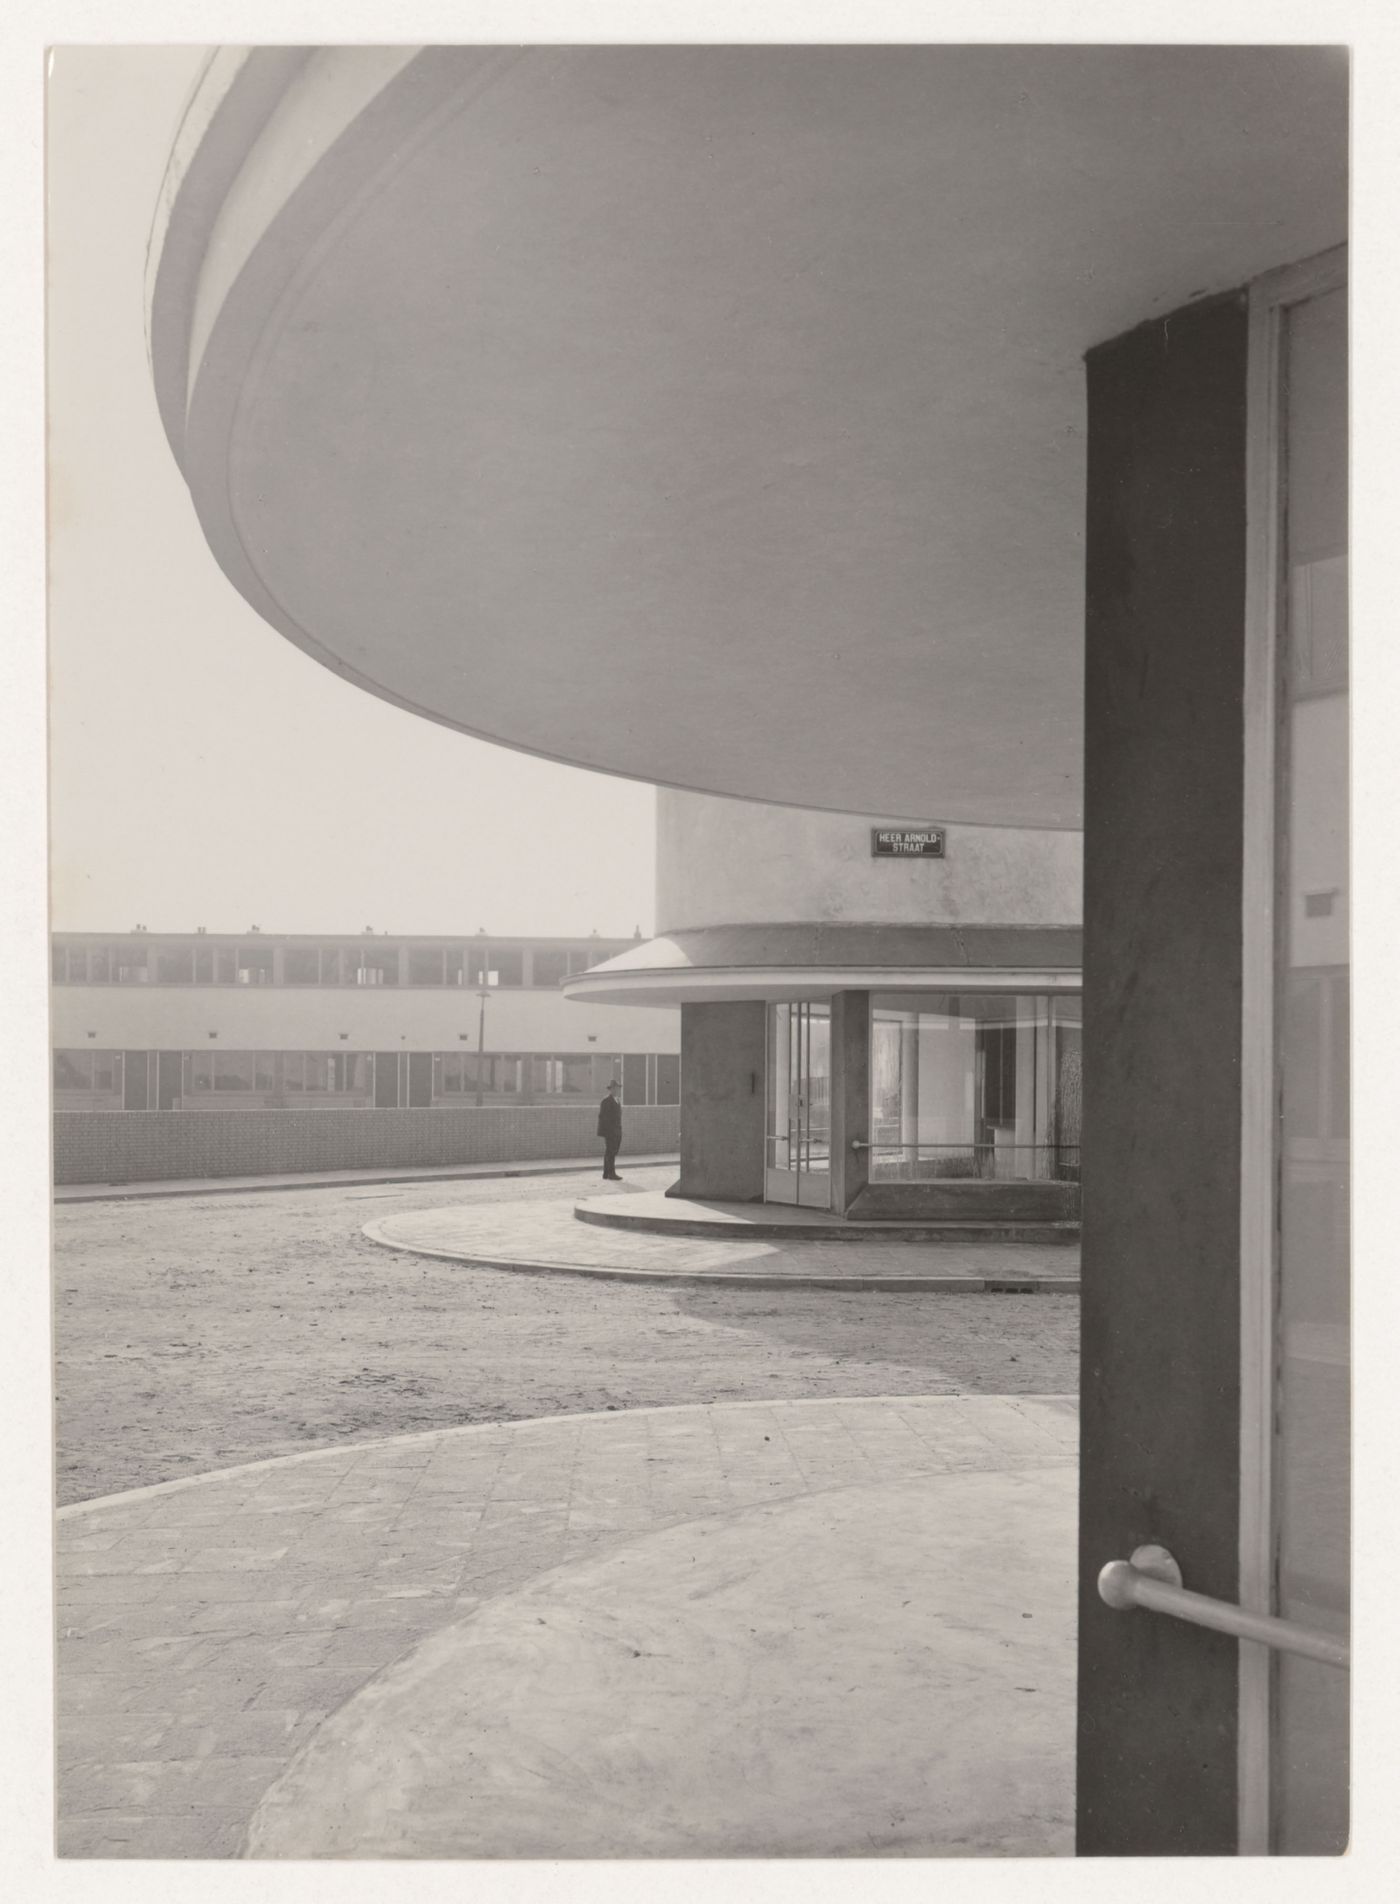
(198, 1332)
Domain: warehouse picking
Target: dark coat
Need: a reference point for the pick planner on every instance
(610, 1119)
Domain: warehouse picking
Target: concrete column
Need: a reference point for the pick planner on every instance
(722, 1101)
(1164, 741)
(850, 1096)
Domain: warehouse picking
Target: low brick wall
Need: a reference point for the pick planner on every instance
(141, 1146)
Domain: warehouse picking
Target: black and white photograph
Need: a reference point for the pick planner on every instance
(697, 1017)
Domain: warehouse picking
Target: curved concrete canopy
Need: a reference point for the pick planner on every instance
(711, 415)
(713, 963)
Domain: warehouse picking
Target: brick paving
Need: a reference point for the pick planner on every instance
(549, 1236)
(207, 1627)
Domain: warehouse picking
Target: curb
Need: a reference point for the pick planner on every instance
(204, 1187)
(96, 1503)
(733, 1279)
(895, 1231)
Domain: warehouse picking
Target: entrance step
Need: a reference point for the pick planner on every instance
(658, 1215)
(989, 1200)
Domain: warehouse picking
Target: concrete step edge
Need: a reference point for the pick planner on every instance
(983, 1230)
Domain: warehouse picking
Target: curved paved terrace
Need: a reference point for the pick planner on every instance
(551, 1237)
(806, 1628)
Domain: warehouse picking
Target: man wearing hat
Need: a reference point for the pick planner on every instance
(610, 1130)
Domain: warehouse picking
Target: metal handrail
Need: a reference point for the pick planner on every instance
(1151, 1580)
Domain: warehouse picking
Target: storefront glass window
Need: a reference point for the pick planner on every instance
(577, 1076)
(604, 1071)
(72, 1070)
(106, 1070)
(973, 1085)
(233, 1071)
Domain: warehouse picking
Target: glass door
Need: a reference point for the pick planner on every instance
(797, 1143)
(1295, 1536)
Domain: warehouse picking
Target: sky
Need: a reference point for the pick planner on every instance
(203, 771)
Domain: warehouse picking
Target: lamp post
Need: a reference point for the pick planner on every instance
(483, 992)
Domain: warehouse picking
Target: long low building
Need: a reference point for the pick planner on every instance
(263, 1021)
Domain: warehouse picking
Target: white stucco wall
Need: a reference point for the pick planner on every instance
(733, 862)
(312, 1018)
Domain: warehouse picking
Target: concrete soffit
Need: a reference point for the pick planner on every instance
(757, 962)
(595, 359)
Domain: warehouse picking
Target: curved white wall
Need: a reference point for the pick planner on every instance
(733, 862)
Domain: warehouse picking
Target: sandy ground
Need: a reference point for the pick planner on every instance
(198, 1332)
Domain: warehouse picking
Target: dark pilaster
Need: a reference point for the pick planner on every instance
(1163, 803)
(850, 1096)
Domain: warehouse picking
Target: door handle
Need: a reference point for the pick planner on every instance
(1151, 1580)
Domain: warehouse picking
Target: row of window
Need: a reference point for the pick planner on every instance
(445, 965)
(645, 1077)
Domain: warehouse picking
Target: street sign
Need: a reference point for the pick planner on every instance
(907, 842)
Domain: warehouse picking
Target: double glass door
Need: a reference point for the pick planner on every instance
(797, 1144)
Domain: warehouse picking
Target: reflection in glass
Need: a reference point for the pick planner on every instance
(1309, 1780)
(233, 1071)
(974, 1085)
